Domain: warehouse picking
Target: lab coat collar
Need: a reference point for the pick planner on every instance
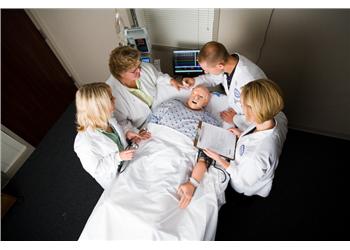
(260, 133)
(96, 134)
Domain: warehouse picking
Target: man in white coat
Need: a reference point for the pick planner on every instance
(231, 72)
(134, 85)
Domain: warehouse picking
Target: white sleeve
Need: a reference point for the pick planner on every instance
(102, 168)
(161, 78)
(205, 79)
(124, 122)
(246, 174)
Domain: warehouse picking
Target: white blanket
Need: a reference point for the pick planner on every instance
(143, 203)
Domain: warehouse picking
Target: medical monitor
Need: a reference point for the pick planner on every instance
(138, 37)
(185, 63)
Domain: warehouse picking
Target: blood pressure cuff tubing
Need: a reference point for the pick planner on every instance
(207, 159)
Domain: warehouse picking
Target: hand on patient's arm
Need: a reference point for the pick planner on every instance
(127, 155)
(134, 137)
(228, 115)
(216, 157)
(137, 137)
(144, 134)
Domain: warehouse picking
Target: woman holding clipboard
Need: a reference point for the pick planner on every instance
(260, 145)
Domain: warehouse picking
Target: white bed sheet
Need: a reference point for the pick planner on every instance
(143, 204)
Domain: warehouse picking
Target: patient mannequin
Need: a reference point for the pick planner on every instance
(184, 117)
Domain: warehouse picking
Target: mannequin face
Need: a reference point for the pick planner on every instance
(199, 98)
(214, 70)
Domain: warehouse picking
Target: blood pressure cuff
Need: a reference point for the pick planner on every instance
(207, 159)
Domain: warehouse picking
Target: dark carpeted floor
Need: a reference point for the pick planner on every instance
(308, 200)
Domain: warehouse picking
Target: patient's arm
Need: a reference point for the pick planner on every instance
(187, 189)
(199, 170)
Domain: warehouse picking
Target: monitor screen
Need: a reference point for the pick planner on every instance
(185, 63)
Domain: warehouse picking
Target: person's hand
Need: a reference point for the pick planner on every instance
(134, 137)
(188, 82)
(235, 131)
(144, 134)
(228, 115)
(176, 84)
(185, 191)
(127, 155)
(216, 157)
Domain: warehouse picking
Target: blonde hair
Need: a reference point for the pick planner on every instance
(264, 97)
(122, 59)
(93, 103)
(213, 53)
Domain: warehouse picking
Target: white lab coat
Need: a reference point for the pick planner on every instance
(99, 154)
(256, 158)
(245, 72)
(131, 112)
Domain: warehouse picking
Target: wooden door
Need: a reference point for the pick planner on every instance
(36, 89)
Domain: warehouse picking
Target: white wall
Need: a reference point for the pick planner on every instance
(189, 28)
(242, 30)
(307, 53)
(82, 38)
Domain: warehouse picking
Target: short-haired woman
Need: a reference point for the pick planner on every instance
(100, 143)
(134, 84)
(259, 146)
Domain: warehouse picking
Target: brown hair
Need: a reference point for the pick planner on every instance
(264, 97)
(213, 53)
(122, 59)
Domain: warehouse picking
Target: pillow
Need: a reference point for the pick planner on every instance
(167, 92)
(218, 103)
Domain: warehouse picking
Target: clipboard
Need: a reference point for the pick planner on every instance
(216, 139)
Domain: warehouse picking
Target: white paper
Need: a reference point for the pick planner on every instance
(217, 139)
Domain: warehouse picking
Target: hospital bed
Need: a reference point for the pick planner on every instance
(143, 203)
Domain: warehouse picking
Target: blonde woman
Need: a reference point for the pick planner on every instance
(134, 84)
(259, 146)
(100, 143)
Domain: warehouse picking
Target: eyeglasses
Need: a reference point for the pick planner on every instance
(133, 71)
